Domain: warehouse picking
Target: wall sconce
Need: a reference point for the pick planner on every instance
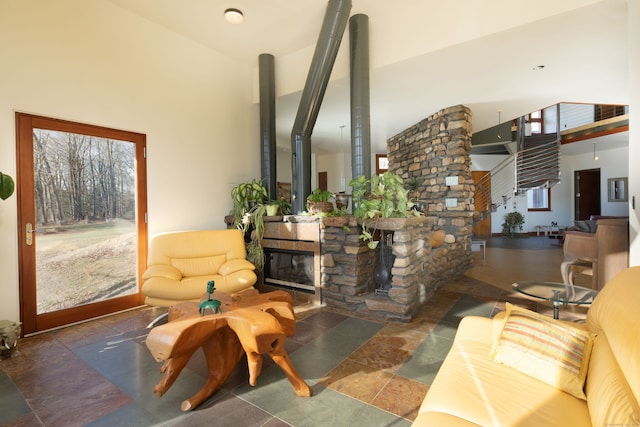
(594, 152)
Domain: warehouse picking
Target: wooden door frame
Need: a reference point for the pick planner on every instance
(478, 176)
(31, 321)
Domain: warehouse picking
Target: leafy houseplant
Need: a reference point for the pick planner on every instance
(255, 254)
(255, 217)
(319, 201)
(512, 221)
(248, 213)
(6, 186)
(278, 207)
(413, 185)
(381, 196)
(246, 196)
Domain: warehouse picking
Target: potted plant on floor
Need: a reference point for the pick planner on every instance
(512, 221)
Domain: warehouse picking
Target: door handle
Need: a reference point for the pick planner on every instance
(30, 232)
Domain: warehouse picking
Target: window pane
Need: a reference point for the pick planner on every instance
(538, 198)
(85, 196)
(536, 127)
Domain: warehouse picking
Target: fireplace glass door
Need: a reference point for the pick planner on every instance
(289, 269)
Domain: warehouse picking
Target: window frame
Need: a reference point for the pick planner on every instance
(380, 158)
(546, 208)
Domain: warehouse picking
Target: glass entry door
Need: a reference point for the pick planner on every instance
(82, 203)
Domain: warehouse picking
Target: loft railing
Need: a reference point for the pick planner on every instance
(537, 167)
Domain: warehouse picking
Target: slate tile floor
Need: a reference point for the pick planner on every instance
(362, 372)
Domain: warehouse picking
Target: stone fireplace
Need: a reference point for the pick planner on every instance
(436, 151)
(348, 264)
(329, 250)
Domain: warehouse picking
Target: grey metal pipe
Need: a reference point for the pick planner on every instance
(267, 81)
(324, 56)
(360, 99)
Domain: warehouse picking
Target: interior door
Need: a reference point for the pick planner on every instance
(322, 181)
(586, 193)
(82, 208)
(482, 203)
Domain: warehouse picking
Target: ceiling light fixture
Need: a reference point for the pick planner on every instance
(499, 133)
(538, 67)
(233, 16)
(594, 152)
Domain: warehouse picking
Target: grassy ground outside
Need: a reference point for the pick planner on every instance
(83, 263)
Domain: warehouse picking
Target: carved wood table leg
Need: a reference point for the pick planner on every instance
(301, 388)
(171, 369)
(222, 353)
(250, 322)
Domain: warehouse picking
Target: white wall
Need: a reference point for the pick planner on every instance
(338, 168)
(92, 62)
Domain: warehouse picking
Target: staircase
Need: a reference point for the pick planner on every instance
(537, 160)
(536, 164)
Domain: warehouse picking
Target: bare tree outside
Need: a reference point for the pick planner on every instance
(85, 219)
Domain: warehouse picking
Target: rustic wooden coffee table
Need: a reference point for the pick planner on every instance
(250, 323)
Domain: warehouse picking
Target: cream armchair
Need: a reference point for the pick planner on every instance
(180, 264)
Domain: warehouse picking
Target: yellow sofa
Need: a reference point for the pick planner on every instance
(180, 264)
(471, 389)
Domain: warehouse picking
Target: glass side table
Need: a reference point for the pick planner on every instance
(557, 293)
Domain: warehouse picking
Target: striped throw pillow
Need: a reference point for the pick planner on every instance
(550, 350)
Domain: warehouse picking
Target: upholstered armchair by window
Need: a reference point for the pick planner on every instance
(181, 263)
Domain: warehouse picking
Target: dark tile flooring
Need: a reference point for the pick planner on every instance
(362, 372)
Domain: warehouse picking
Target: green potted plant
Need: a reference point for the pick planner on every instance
(278, 207)
(6, 186)
(284, 206)
(319, 201)
(246, 196)
(512, 221)
(272, 208)
(413, 185)
(248, 211)
(381, 196)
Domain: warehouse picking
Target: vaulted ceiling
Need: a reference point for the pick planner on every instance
(425, 55)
